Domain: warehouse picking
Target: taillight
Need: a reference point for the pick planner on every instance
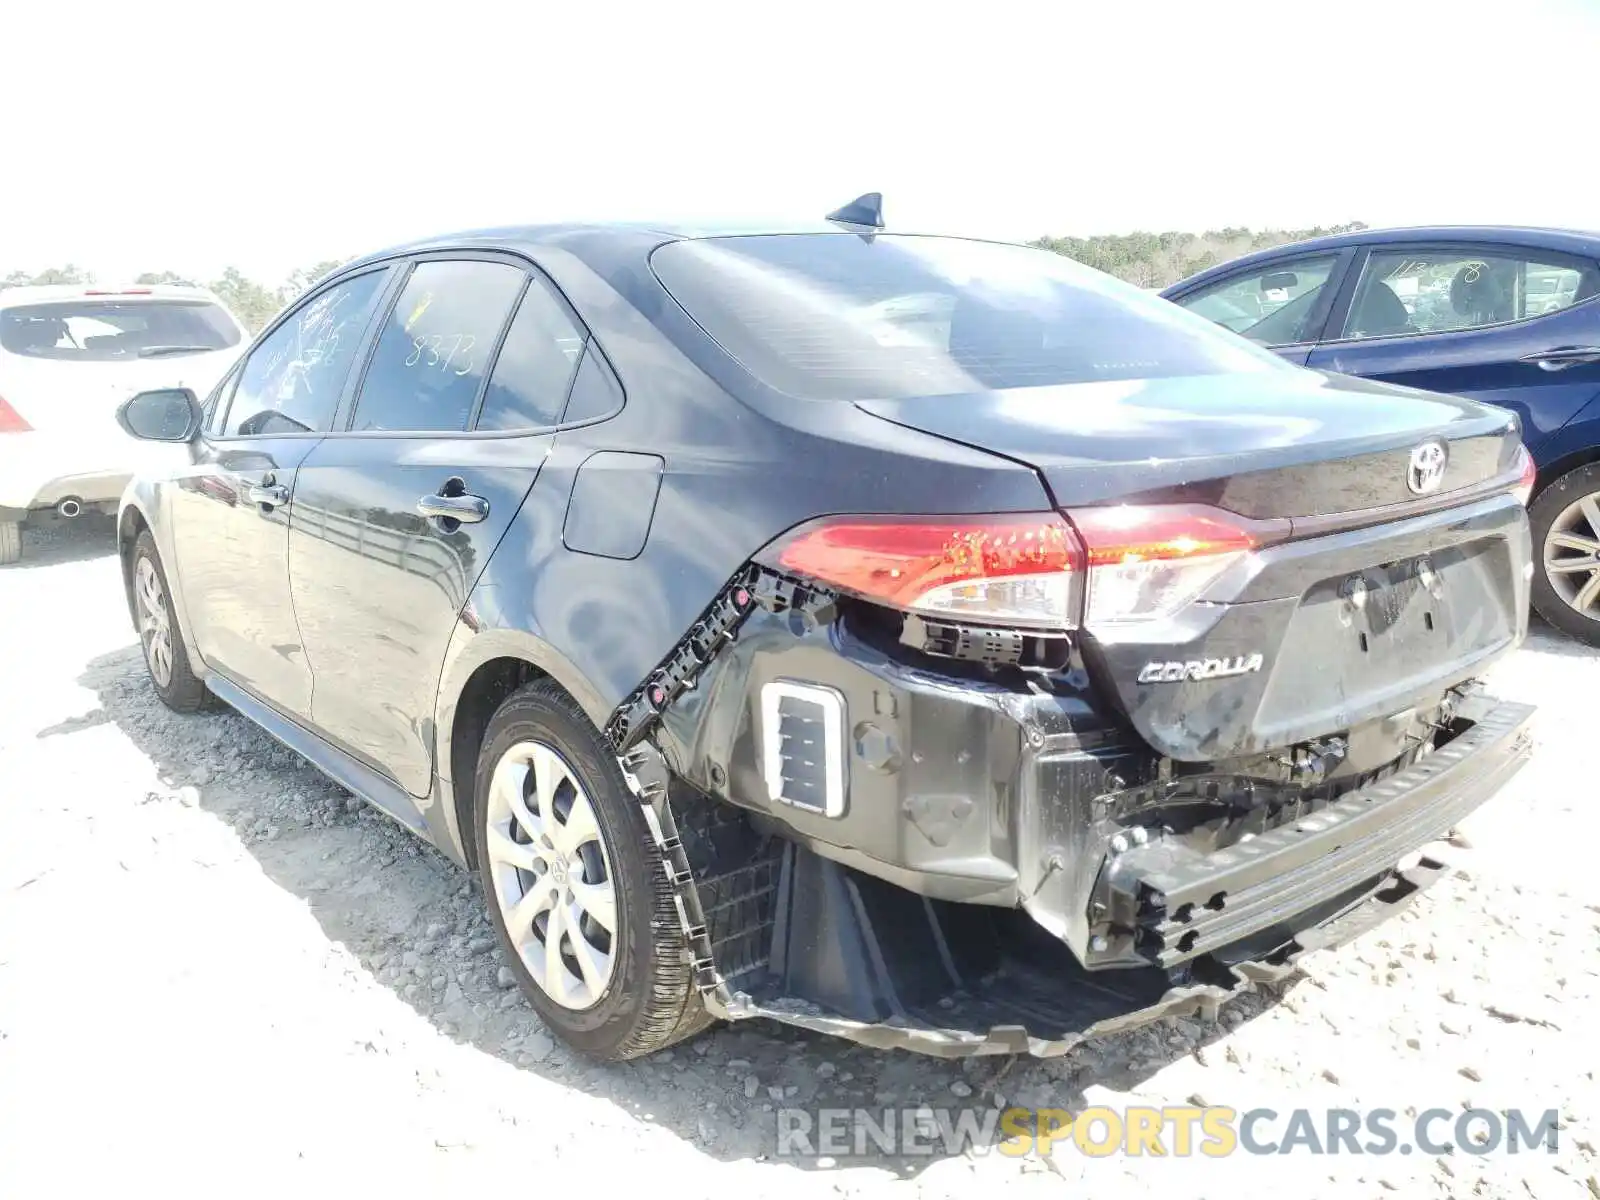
(1017, 569)
(1108, 566)
(1524, 489)
(11, 420)
(1148, 562)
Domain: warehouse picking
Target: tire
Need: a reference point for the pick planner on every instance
(179, 690)
(639, 996)
(1560, 509)
(10, 542)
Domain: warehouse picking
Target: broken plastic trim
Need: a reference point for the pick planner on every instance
(1184, 999)
(728, 955)
(752, 587)
(648, 777)
(756, 586)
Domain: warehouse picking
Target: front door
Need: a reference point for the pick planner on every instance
(396, 515)
(1506, 326)
(231, 508)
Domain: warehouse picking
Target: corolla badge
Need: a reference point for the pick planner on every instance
(1425, 472)
(1197, 669)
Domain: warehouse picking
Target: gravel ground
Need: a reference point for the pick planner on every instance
(216, 968)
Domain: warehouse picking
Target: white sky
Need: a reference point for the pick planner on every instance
(189, 136)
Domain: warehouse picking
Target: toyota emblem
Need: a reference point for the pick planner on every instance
(1426, 471)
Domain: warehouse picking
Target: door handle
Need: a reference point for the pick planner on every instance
(272, 495)
(1561, 359)
(469, 510)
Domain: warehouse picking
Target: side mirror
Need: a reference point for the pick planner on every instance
(1279, 279)
(164, 415)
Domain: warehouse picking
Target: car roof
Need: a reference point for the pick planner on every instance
(47, 293)
(642, 235)
(1569, 241)
(1534, 234)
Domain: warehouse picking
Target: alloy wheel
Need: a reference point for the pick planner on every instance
(552, 875)
(1572, 556)
(155, 623)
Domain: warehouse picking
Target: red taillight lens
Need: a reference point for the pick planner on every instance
(1148, 562)
(1139, 563)
(1022, 569)
(1116, 536)
(10, 420)
(1524, 489)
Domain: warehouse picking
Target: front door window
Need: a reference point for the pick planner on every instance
(1272, 306)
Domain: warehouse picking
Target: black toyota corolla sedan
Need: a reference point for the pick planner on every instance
(924, 640)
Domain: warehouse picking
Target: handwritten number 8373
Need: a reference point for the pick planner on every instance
(430, 351)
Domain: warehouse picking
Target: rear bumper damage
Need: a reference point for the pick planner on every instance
(1018, 1011)
(989, 866)
(1189, 904)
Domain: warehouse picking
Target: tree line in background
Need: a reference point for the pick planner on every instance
(1157, 259)
(1147, 259)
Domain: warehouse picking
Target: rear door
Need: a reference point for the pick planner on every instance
(398, 512)
(1516, 327)
(1281, 305)
(230, 509)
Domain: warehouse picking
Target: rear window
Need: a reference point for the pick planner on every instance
(110, 330)
(838, 317)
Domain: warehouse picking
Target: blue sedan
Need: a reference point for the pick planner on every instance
(1500, 314)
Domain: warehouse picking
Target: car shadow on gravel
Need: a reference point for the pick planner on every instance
(1544, 638)
(417, 923)
(51, 541)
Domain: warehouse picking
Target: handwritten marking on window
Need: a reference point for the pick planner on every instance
(460, 344)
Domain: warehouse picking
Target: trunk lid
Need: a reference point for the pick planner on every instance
(1379, 598)
(1279, 444)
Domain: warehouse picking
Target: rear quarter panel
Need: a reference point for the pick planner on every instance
(732, 478)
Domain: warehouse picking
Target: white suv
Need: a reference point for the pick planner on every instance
(69, 355)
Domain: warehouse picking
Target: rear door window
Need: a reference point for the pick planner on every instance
(1416, 291)
(533, 372)
(292, 381)
(435, 347)
(94, 330)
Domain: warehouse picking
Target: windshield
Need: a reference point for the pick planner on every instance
(838, 317)
(114, 330)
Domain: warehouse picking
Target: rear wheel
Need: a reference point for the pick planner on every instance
(575, 886)
(159, 636)
(1566, 544)
(10, 542)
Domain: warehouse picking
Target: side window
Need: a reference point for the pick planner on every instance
(534, 371)
(217, 403)
(595, 393)
(1421, 291)
(431, 356)
(1271, 306)
(291, 381)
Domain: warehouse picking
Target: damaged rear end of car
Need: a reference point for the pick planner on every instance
(993, 784)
